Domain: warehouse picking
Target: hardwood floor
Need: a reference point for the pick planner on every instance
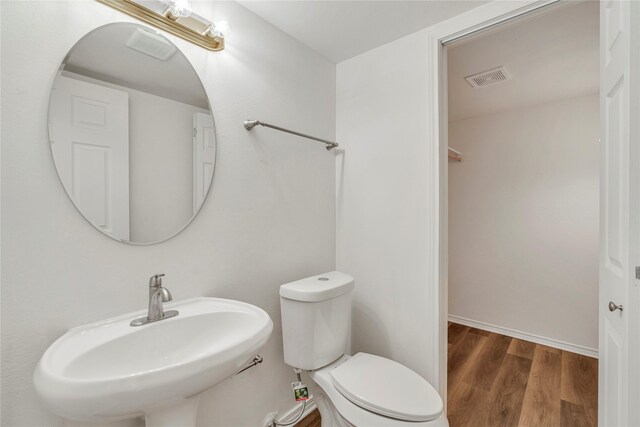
(494, 380)
(311, 420)
(498, 381)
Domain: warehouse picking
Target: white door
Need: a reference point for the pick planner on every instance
(619, 213)
(90, 144)
(204, 157)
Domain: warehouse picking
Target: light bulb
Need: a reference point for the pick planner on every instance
(179, 8)
(218, 29)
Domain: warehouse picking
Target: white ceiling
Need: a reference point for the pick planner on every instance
(551, 55)
(103, 55)
(341, 29)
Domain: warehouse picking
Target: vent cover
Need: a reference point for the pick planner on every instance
(151, 44)
(489, 77)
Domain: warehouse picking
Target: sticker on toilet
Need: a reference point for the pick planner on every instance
(300, 391)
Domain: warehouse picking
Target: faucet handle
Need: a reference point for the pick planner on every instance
(155, 281)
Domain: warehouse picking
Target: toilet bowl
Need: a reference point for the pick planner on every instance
(362, 390)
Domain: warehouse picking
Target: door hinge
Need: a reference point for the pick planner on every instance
(638, 272)
(195, 132)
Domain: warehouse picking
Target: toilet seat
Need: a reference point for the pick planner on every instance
(387, 388)
(357, 415)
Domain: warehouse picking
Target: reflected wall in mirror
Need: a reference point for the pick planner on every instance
(131, 133)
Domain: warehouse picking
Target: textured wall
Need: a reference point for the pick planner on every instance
(270, 218)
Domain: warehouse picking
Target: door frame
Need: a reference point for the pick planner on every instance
(438, 37)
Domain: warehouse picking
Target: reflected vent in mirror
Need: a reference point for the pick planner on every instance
(489, 77)
(151, 44)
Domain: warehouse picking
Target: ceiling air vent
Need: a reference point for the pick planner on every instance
(489, 77)
(151, 44)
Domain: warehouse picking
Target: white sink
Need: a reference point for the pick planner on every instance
(109, 370)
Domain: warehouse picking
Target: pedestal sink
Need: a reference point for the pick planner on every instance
(108, 370)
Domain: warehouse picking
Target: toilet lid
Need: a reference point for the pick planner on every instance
(387, 388)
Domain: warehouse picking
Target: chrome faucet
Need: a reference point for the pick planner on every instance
(157, 296)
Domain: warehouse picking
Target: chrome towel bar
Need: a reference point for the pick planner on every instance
(250, 124)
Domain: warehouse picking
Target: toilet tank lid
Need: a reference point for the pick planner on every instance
(318, 288)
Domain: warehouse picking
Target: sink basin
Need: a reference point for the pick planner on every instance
(109, 370)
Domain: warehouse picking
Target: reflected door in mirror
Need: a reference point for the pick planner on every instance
(205, 157)
(89, 129)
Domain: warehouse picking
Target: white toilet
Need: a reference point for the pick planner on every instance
(361, 390)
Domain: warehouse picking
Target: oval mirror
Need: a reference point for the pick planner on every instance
(131, 133)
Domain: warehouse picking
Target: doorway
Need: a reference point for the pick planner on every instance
(523, 221)
(619, 223)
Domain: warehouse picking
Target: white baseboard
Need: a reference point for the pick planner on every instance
(292, 413)
(574, 348)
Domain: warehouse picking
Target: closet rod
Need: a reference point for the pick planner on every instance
(455, 155)
(250, 124)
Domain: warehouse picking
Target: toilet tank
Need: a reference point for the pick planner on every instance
(316, 319)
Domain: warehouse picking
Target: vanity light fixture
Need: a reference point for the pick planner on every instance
(175, 17)
(219, 29)
(178, 9)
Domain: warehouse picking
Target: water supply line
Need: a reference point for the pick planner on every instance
(256, 360)
(279, 423)
(275, 423)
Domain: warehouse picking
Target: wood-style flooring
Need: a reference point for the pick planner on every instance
(311, 420)
(497, 381)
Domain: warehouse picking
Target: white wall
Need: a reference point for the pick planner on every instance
(270, 217)
(523, 220)
(382, 203)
